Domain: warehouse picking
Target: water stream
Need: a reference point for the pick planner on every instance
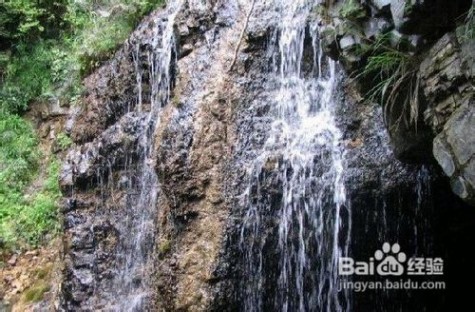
(138, 229)
(303, 162)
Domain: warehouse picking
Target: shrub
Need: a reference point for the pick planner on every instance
(26, 20)
(25, 221)
(28, 76)
(63, 141)
(18, 156)
(101, 32)
(40, 216)
(18, 165)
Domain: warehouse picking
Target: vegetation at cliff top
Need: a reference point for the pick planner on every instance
(46, 48)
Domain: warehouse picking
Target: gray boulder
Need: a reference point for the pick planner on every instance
(454, 150)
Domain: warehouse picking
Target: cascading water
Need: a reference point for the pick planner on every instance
(137, 231)
(294, 267)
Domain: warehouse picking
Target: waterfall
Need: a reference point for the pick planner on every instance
(422, 223)
(295, 184)
(138, 230)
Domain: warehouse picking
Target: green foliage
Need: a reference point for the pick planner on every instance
(52, 65)
(40, 284)
(18, 156)
(352, 10)
(28, 76)
(39, 216)
(44, 71)
(395, 83)
(27, 20)
(18, 164)
(42, 273)
(46, 48)
(63, 141)
(99, 34)
(26, 219)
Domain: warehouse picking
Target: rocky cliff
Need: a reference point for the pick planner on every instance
(206, 115)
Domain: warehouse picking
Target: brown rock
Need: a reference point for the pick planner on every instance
(12, 260)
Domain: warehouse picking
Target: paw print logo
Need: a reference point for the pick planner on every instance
(391, 258)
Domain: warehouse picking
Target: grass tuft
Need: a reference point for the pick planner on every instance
(36, 292)
(396, 82)
(164, 247)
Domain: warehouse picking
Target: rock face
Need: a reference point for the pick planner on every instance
(446, 81)
(448, 85)
(190, 145)
(213, 119)
(454, 149)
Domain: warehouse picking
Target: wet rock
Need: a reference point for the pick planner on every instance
(443, 156)
(399, 12)
(83, 239)
(81, 259)
(364, 125)
(469, 173)
(445, 74)
(411, 142)
(429, 18)
(381, 4)
(348, 42)
(447, 85)
(467, 48)
(102, 172)
(84, 277)
(460, 187)
(185, 50)
(460, 130)
(455, 152)
(444, 82)
(107, 150)
(328, 35)
(376, 26)
(183, 30)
